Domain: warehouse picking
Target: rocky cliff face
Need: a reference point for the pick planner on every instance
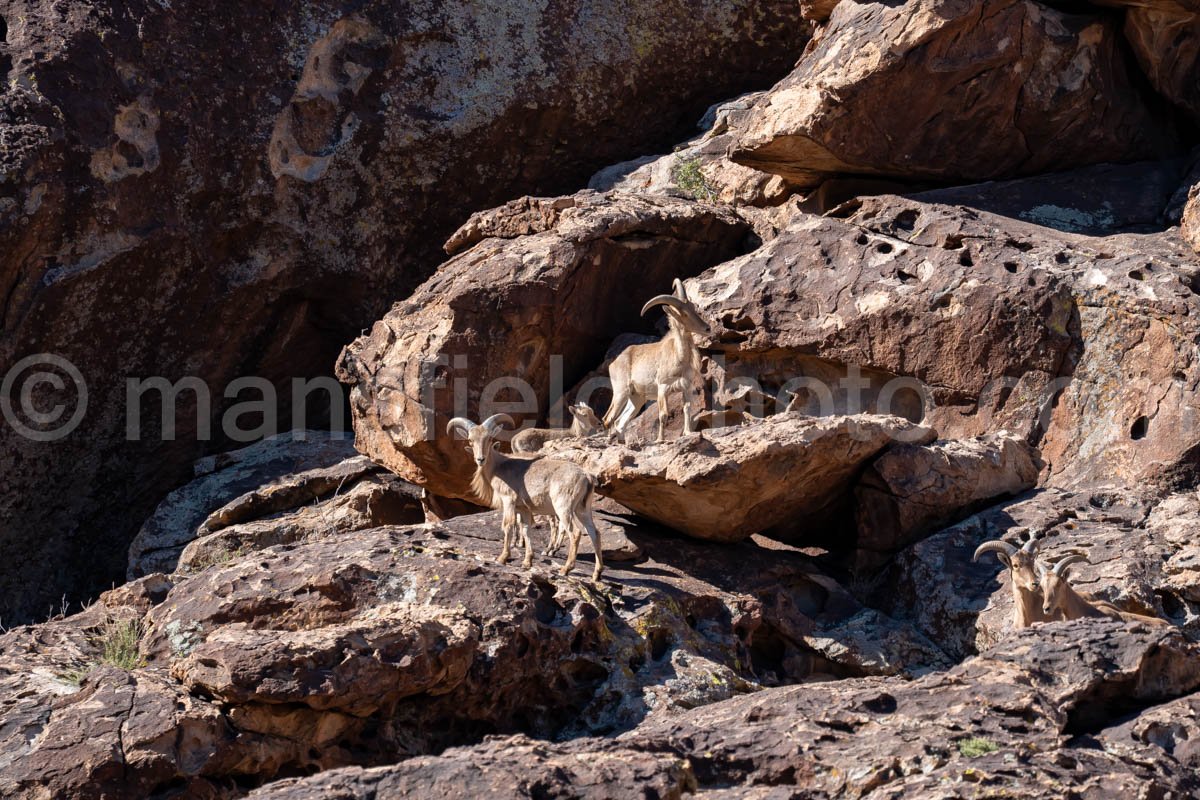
(949, 271)
(185, 193)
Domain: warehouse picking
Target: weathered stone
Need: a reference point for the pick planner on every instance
(990, 90)
(1002, 723)
(975, 323)
(700, 168)
(786, 473)
(1165, 36)
(912, 489)
(220, 479)
(1190, 225)
(518, 309)
(249, 215)
(370, 501)
(1097, 200)
(1140, 548)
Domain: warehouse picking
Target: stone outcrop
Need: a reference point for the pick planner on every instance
(1165, 37)
(220, 479)
(1007, 721)
(250, 215)
(362, 647)
(534, 310)
(787, 473)
(1190, 224)
(1141, 551)
(973, 91)
(701, 168)
(974, 323)
(913, 489)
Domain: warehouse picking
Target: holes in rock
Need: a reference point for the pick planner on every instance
(1005, 393)
(660, 643)
(1137, 275)
(862, 238)
(636, 662)
(1061, 257)
(1024, 247)
(1011, 266)
(883, 704)
(905, 277)
(953, 242)
(907, 220)
(942, 302)
(966, 260)
(1138, 429)
(883, 247)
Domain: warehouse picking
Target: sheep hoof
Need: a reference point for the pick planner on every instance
(566, 570)
(503, 558)
(527, 564)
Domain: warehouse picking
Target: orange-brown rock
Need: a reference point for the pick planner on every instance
(972, 91)
(787, 473)
(518, 309)
(241, 197)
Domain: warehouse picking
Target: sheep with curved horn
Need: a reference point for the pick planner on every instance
(1028, 606)
(523, 487)
(645, 371)
(1065, 603)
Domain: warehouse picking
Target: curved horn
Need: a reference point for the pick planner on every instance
(493, 423)
(667, 300)
(680, 292)
(1003, 550)
(1066, 561)
(460, 424)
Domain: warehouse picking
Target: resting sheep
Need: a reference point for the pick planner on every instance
(584, 424)
(523, 487)
(1061, 600)
(1023, 571)
(643, 371)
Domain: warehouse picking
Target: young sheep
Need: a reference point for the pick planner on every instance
(1066, 603)
(584, 424)
(1023, 568)
(523, 487)
(643, 371)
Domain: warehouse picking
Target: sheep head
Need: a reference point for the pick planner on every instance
(480, 438)
(680, 310)
(1054, 582)
(586, 417)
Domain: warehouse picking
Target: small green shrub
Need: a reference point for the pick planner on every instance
(974, 747)
(687, 176)
(118, 642)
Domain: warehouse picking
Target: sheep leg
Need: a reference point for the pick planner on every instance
(584, 518)
(549, 551)
(526, 519)
(617, 407)
(689, 424)
(662, 412)
(507, 524)
(565, 523)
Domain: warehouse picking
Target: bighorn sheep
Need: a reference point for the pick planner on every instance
(523, 487)
(1063, 602)
(1023, 569)
(643, 371)
(584, 424)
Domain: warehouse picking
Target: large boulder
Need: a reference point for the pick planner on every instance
(954, 90)
(787, 473)
(975, 323)
(240, 195)
(1165, 37)
(912, 489)
(1007, 722)
(529, 308)
(220, 479)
